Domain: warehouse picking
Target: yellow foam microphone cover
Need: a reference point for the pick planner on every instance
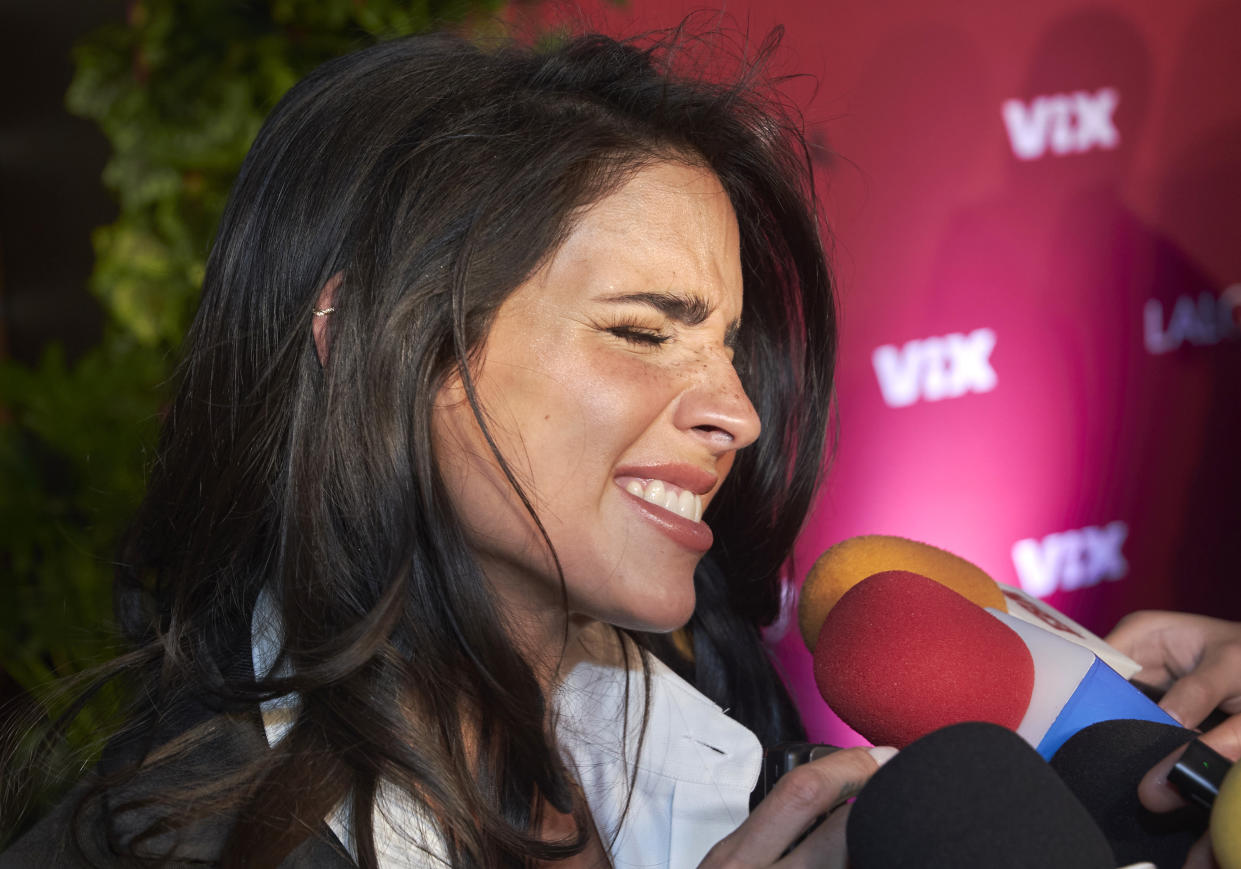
(1226, 820)
(849, 562)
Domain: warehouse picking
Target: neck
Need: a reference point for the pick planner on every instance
(553, 657)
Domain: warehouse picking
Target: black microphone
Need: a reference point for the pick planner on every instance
(971, 796)
(1102, 765)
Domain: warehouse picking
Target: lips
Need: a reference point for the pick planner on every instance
(671, 498)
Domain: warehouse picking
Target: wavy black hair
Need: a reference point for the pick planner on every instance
(434, 176)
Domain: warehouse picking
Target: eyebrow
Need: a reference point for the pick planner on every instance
(688, 308)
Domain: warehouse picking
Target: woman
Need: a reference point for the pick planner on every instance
(507, 366)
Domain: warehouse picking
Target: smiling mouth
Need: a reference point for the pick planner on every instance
(662, 494)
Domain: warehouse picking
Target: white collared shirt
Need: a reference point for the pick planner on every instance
(691, 782)
(693, 777)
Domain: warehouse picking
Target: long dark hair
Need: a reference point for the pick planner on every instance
(434, 176)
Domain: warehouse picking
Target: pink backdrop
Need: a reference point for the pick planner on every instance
(1035, 212)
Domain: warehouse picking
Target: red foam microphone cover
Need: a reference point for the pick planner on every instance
(901, 655)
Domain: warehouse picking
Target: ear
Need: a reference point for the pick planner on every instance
(323, 309)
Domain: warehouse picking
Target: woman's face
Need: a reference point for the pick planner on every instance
(608, 385)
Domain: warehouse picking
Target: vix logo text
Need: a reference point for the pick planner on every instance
(1201, 321)
(1071, 559)
(1064, 123)
(935, 368)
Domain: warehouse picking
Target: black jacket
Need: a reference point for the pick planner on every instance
(49, 845)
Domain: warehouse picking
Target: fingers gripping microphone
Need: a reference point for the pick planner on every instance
(1102, 765)
(971, 796)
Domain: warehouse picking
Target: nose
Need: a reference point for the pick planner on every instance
(715, 408)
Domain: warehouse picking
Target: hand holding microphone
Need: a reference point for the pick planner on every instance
(1197, 661)
(901, 655)
(797, 801)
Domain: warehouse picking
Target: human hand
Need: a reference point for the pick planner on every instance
(1197, 661)
(799, 797)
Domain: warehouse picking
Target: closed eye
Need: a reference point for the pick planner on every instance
(639, 335)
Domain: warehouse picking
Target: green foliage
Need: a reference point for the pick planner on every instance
(179, 90)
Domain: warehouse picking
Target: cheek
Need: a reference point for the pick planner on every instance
(456, 447)
(478, 489)
(577, 411)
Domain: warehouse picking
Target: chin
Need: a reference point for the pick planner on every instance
(668, 616)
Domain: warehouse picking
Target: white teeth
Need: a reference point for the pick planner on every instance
(682, 502)
(686, 506)
(655, 492)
